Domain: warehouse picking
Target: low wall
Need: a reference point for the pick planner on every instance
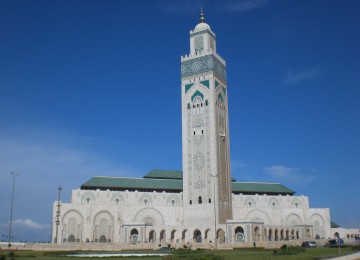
(139, 247)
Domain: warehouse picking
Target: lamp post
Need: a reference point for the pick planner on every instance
(12, 205)
(57, 222)
(214, 188)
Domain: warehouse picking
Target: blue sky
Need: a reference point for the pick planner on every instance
(93, 88)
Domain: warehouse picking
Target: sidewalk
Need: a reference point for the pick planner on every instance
(355, 256)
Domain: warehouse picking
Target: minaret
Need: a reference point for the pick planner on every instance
(205, 131)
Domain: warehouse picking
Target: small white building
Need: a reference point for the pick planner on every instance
(201, 205)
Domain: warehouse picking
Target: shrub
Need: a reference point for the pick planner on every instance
(289, 250)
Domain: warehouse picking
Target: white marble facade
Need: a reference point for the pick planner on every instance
(206, 201)
(157, 217)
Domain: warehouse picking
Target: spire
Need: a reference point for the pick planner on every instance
(202, 19)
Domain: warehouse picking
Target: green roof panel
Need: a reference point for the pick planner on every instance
(159, 180)
(120, 183)
(260, 188)
(164, 174)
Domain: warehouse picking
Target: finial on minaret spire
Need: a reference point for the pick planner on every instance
(202, 19)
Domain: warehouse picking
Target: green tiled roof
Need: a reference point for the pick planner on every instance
(172, 181)
(119, 183)
(167, 174)
(260, 188)
(334, 225)
(163, 174)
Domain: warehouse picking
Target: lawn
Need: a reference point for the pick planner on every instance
(246, 254)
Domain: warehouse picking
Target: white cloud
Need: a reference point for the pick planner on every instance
(28, 223)
(283, 173)
(241, 6)
(292, 77)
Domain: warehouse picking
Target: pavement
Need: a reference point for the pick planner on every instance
(355, 256)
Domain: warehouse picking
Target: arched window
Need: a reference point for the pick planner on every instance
(200, 200)
(197, 105)
(134, 236)
(239, 234)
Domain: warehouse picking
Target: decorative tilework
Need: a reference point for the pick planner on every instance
(188, 86)
(206, 83)
(203, 64)
(220, 98)
(197, 93)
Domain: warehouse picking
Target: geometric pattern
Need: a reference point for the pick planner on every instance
(201, 65)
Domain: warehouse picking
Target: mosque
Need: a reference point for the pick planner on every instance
(201, 205)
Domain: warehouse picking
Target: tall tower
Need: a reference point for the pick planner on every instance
(205, 132)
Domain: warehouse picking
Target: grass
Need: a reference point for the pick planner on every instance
(244, 254)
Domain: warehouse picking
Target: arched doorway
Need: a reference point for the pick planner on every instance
(207, 232)
(220, 236)
(134, 236)
(102, 239)
(71, 238)
(276, 235)
(185, 236)
(162, 236)
(239, 234)
(257, 234)
(270, 234)
(197, 236)
(152, 236)
(172, 236)
(282, 235)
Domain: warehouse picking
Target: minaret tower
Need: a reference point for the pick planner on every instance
(205, 131)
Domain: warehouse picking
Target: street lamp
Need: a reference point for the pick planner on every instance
(58, 216)
(12, 205)
(214, 176)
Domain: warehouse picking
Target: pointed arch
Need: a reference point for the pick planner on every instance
(258, 215)
(117, 198)
(293, 219)
(154, 214)
(197, 94)
(88, 197)
(72, 222)
(103, 226)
